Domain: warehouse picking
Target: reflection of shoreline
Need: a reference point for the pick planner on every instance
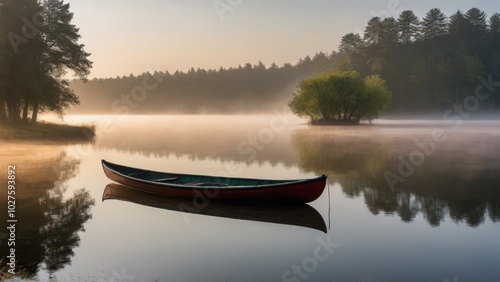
(48, 221)
(453, 182)
(295, 215)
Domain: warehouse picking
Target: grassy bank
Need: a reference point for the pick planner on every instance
(46, 131)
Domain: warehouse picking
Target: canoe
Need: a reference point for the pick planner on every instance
(203, 187)
(301, 215)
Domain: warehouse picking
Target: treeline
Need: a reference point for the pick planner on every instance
(248, 89)
(429, 64)
(432, 63)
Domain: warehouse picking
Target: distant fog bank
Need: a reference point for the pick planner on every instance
(245, 89)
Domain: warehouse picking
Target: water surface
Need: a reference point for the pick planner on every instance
(402, 205)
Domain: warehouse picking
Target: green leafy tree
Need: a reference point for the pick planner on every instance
(305, 103)
(374, 99)
(340, 98)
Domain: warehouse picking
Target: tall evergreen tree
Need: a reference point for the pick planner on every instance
(350, 43)
(44, 46)
(494, 41)
(351, 47)
(478, 32)
(389, 32)
(408, 27)
(477, 19)
(434, 24)
(381, 32)
(494, 34)
(494, 27)
(373, 30)
(460, 31)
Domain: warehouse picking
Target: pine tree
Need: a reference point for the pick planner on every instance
(350, 43)
(373, 30)
(408, 27)
(494, 27)
(44, 46)
(477, 19)
(434, 24)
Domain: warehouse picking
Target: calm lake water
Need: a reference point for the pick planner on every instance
(407, 201)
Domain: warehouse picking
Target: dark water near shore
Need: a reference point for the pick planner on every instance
(409, 201)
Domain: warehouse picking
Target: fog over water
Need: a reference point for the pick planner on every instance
(419, 196)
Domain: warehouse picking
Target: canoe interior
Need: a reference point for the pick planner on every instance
(192, 180)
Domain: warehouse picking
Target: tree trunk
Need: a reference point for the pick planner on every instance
(402, 102)
(35, 112)
(437, 98)
(17, 113)
(10, 110)
(350, 115)
(25, 110)
(14, 113)
(3, 113)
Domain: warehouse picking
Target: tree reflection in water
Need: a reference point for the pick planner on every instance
(449, 182)
(48, 221)
(60, 233)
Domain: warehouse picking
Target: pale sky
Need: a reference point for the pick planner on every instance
(136, 36)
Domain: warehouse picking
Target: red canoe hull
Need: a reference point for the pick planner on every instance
(302, 191)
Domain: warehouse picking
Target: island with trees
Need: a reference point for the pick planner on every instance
(343, 98)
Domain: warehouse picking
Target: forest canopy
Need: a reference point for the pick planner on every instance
(429, 63)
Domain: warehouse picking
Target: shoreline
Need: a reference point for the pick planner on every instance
(46, 131)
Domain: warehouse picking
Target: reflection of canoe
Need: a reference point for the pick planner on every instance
(213, 187)
(298, 215)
